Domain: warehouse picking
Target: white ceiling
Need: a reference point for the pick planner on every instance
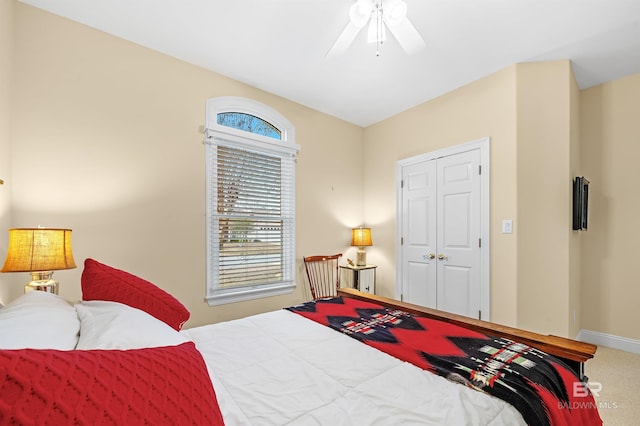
(280, 45)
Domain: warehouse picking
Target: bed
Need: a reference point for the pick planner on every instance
(119, 356)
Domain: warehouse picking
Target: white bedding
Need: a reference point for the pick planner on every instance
(279, 368)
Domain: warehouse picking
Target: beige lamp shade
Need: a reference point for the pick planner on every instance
(39, 249)
(361, 237)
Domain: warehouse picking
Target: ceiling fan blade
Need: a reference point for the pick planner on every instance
(407, 36)
(359, 14)
(344, 40)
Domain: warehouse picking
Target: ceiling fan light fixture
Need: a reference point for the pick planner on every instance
(376, 33)
(382, 15)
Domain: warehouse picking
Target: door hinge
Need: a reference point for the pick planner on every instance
(479, 169)
(402, 183)
(479, 314)
(401, 241)
(402, 297)
(480, 242)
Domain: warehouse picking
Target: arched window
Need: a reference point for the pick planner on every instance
(251, 156)
(248, 123)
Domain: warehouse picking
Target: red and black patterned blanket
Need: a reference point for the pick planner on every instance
(540, 386)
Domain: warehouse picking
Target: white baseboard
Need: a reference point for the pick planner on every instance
(609, 340)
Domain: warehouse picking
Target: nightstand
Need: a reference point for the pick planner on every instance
(362, 278)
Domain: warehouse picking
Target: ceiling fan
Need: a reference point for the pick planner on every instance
(380, 14)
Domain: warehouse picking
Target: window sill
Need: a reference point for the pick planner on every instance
(222, 297)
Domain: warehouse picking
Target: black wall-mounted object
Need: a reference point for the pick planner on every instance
(580, 203)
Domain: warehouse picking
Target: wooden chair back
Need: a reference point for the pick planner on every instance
(322, 272)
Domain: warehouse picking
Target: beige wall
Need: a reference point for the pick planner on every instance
(484, 108)
(104, 137)
(610, 131)
(526, 110)
(575, 249)
(544, 196)
(544, 131)
(107, 141)
(6, 70)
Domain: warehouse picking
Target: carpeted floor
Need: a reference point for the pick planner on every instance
(619, 374)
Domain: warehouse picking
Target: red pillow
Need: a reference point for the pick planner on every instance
(162, 385)
(102, 282)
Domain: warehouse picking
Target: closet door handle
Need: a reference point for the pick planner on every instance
(442, 257)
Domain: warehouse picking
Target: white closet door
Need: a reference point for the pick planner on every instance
(419, 234)
(458, 230)
(441, 229)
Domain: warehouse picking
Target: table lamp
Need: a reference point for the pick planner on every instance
(361, 238)
(39, 251)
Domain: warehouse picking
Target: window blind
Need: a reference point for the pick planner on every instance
(254, 217)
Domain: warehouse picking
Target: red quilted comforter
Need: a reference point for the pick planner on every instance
(539, 385)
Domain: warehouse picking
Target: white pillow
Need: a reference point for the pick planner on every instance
(113, 325)
(39, 320)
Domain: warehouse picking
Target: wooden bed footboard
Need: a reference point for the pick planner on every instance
(572, 352)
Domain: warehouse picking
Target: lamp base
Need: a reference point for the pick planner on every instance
(361, 257)
(42, 281)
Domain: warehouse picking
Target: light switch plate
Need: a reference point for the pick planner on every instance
(507, 226)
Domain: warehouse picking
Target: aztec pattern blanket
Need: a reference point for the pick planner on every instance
(541, 387)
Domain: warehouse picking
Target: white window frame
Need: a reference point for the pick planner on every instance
(286, 148)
